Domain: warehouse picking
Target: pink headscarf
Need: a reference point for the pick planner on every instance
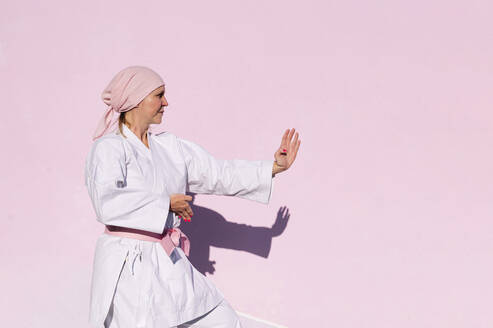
(125, 91)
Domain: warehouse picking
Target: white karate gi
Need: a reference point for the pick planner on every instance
(129, 186)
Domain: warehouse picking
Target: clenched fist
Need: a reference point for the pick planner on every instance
(179, 205)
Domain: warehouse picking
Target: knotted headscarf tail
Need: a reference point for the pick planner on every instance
(125, 91)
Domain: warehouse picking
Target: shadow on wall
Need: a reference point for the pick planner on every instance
(209, 228)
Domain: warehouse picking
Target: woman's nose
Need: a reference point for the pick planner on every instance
(164, 102)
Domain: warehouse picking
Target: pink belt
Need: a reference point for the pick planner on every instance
(171, 238)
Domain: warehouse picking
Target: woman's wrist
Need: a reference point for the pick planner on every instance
(276, 169)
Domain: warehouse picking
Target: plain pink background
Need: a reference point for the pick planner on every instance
(390, 197)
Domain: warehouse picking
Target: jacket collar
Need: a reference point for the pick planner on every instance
(132, 138)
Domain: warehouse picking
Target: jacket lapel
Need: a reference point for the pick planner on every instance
(132, 138)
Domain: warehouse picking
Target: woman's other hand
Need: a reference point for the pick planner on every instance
(286, 154)
(179, 205)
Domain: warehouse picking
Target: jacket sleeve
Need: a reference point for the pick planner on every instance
(117, 201)
(236, 177)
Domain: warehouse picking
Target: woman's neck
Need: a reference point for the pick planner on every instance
(141, 133)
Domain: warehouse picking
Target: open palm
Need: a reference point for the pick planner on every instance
(286, 154)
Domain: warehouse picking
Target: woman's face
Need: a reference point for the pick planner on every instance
(151, 108)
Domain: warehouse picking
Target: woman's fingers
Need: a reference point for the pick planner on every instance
(296, 149)
(286, 144)
(292, 146)
(294, 152)
(287, 138)
(293, 143)
(186, 214)
(284, 139)
(290, 136)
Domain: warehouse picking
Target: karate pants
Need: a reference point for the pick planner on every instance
(124, 308)
(222, 316)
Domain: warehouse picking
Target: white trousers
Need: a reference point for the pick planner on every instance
(222, 316)
(123, 312)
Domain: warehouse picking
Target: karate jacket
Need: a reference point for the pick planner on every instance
(130, 186)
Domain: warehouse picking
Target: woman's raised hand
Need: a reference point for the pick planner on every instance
(286, 154)
(179, 205)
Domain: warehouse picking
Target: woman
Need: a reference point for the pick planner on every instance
(137, 182)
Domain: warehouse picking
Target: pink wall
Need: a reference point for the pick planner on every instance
(390, 197)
